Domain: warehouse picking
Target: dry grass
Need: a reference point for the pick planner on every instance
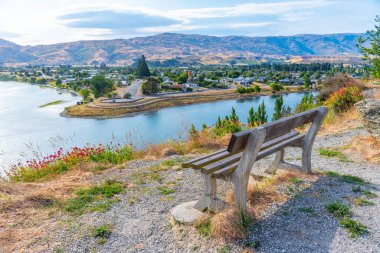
(377, 94)
(27, 210)
(231, 224)
(227, 225)
(339, 123)
(204, 143)
(364, 148)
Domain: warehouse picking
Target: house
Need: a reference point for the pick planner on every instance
(191, 85)
(261, 79)
(247, 81)
(285, 81)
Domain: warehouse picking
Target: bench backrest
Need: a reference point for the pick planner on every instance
(278, 128)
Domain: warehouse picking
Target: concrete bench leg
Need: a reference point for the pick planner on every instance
(306, 158)
(240, 191)
(278, 160)
(279, 163)
(208, 200)
(240, 177)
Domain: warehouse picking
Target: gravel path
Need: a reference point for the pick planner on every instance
(141, 223)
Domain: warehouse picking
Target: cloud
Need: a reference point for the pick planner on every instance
(171, 28)
(5, 34)
(36, 22)
(274, 8)
(240, 25)
(119, 18)
(115, 20)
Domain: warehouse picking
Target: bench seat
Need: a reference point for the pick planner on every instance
(218, 160)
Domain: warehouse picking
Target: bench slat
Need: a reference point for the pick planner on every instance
(189, 163)
(222, 154)
(225, 171)
(270, 143)
(211, 159)
(210, 168)
(279, 146)
(228, 170)
(266, 152)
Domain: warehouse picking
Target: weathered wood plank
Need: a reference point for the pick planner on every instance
(225, 172)
(219, 155)
(273, 129)
(211, 159)
(188, 164)
(279, 146)
(221, 163)
(270, 143)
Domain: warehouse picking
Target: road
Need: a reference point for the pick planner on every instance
(134, 88)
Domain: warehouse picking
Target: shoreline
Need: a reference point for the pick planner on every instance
(154, 105)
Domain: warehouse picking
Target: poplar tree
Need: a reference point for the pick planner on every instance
(142, 69)
(261, 114)
(251, 117)
(278, 108)
(233, 116)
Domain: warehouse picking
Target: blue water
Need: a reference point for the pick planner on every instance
(25, 128)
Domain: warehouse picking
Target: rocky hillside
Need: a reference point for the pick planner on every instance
(182, 47)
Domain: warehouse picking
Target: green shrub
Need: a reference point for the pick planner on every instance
(85, 197)
(276, 87)
(344, 98)
(308, 102)
(113, 156)
(338, 209)
(354, 227)
(333, 153)
(245, 90)
(204, 227)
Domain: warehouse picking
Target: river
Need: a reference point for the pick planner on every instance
(26, 129)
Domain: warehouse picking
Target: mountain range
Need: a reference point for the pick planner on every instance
(183, 48)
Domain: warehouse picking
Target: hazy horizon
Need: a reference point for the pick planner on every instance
(195, 34)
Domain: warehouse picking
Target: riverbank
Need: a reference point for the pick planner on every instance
(134, 214)
(110, 110)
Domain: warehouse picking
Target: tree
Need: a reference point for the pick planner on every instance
(252, 118)
(100, 85)
(193, 132)
(307, 103)
(233, 74)
(182, 78)
(371, 53)
(278, 108)
(85, 94)
(261, 114)
(150, 86)
(317, 74)
(276, 87)
(219, 122)
(233, 116)
(306, 80)
(142, 69)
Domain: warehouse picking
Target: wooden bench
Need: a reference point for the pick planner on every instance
(235, 163)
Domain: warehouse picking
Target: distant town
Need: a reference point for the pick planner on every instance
(278, 76)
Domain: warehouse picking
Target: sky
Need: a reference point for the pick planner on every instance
(33, 22)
